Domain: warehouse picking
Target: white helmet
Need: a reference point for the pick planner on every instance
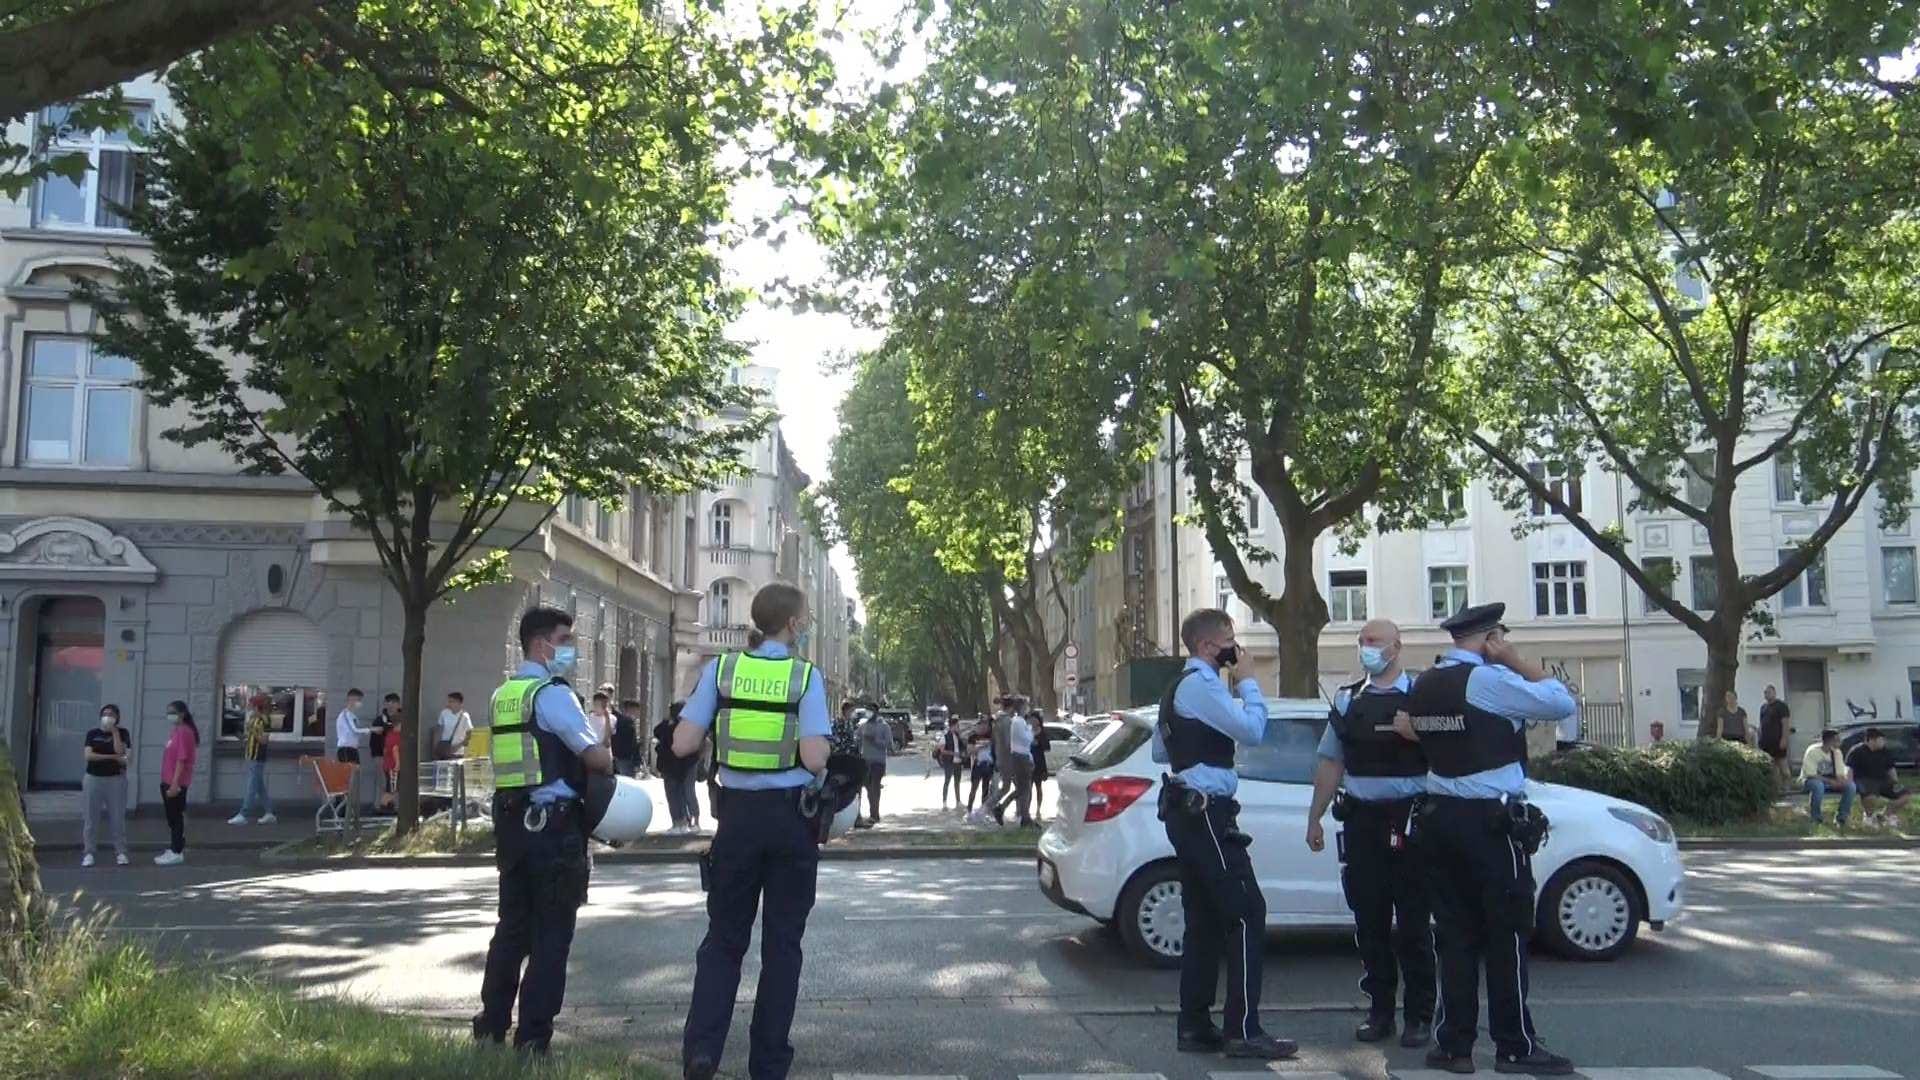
(843, 821)
(628, 808)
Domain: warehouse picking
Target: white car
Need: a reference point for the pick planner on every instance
(1607, 865)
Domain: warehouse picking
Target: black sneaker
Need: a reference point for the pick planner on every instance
(1262, 1048)
(700, 1069)
(1542, 1062)
(1461, 1064)
(1418, 1034)
(1201, 1042)
(1374, 1029)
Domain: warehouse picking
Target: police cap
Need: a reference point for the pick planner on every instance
(1475, 620)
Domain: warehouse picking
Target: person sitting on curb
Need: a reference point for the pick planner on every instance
(1871, 766)
(1823, 770)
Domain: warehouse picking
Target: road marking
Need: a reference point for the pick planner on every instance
(1651, 1074)
(969, 917)
(1824, 1073)
(1091, 1076)
(894, 1076)
(1276, 1070)
(1418, 1074)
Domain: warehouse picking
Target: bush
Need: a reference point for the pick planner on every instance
(1704, 781)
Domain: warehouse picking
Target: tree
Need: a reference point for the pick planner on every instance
(1262, 229)
(436, 315)
(1711, 279)
(920, 612)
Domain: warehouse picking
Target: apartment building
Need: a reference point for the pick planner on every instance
(1845, 646)
(135, 571)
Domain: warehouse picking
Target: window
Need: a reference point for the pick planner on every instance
(1689, 278)
(1347, 595)
(1664, 571)
(1790, 482)
(1706, 582)
(1286, 755)
(722, 525)
(1447, 505)
(640, 530)
(1558, 481)
(115, 178)
(602, 521)
(1692, 682)
(1897, 584)
(1809, 590)
(1697, 471)
(1446, 590)
(1253, 510)
(575, 509)
(293, 712)
(80, 403)
(720, 604)
(1559, 588)
(1222, 592)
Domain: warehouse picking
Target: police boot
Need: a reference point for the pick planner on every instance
(1418, 1034)
(700, 1068)
(1461, 1064)
(1542, 1062)
(1262, 1048)
(1374, 1029)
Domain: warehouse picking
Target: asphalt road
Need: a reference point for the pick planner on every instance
(962, 968)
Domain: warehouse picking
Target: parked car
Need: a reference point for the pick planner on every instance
(1608, 866)
(1062, 744)
(901, 721)
(1903, 739)
(937, 717)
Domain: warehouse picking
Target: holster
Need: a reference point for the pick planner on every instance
(1176, 798)
(1523, 823)
(1341, 808)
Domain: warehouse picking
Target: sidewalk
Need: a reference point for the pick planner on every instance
(207, 829)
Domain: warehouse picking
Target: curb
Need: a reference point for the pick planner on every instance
(277, 857)
(1797, 843)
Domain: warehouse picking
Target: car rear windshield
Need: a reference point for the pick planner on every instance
(1115, 743)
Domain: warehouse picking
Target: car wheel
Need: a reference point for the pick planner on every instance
(1589, 911)
(1149, 915)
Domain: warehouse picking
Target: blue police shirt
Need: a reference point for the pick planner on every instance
(1369, 788)
(557, 710)
(1500, 690)
(1203, 696)
(704, 703)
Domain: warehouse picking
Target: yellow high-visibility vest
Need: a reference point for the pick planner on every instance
(507, 736)
(757, 727)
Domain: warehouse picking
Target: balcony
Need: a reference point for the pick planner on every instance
(736, 555)
(716, 638)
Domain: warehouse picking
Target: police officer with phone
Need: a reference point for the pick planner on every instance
(1202, 716)
(1477, 834)
(542, 750)
(1371, 777)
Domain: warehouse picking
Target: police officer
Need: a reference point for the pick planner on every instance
(1380, 869)
(768, 713)
(1202, 716)
(1477, 835)
(542, 750)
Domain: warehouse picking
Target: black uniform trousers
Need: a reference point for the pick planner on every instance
(763, 852)
(543, 881)
(1226, 918)
(1386, 888)
(1481, 888)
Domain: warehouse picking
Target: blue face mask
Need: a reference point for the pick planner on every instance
(1373, 658)
(800, 638)
(563, 660)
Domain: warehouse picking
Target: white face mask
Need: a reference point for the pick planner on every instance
(173, 718)
(106, 721)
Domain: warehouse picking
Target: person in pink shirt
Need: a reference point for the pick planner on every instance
(176, 772)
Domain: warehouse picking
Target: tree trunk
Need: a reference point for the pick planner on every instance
(1723, 664)
(26, 905)
(413, 646)
(1298, 615)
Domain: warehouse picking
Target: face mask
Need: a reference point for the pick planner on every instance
(563, 659)
(173, 718)
(800, 637)
(106, 721)
(1228, 656)
(1373, 658)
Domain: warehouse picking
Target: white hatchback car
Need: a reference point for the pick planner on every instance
(1607, 866)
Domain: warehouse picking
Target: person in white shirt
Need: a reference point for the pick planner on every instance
(455, 726)
(600, 719)
(1018, 769)
(347, 734)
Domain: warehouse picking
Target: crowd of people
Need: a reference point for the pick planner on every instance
(1004, 759)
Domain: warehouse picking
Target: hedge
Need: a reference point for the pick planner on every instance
(1706, 781)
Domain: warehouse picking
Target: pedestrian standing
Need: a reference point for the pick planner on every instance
(348, 733)
(1042, 745)
(675, 772)
(767, 712)
(542, 751)
(626, 738)
(1776, 730)
(1477, 834)
(600, 718)
(385, 727)
(876, 742)
(176, 772)
(1202, 716)
(980, 746)
(952, 757)
(1017, 767)
(453, 729)
(104, 785)
(1376, 775)
(257, 732)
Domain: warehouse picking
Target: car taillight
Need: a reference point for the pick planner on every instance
(1109, 796)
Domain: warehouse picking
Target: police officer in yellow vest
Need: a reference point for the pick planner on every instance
(768, 713)
(542, 750)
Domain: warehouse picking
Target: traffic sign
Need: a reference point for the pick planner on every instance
(1073, 679)
(1073, 651)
